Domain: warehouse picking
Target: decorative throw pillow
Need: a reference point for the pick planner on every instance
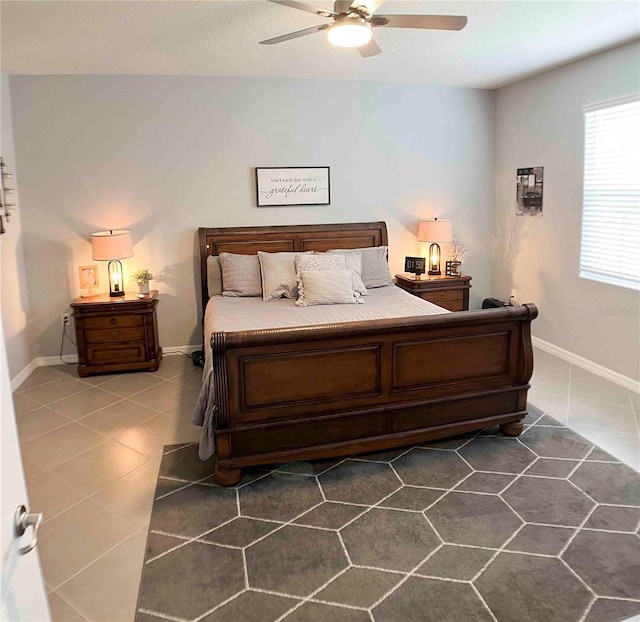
(278, 275)
(320, 261)
(240, 275)
(375, 269)
(214, 276)
(326, 287)
(354, 261)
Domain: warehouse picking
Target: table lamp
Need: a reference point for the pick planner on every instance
(434, 231)
(112, 246)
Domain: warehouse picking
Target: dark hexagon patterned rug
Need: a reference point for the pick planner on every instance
(540, 528)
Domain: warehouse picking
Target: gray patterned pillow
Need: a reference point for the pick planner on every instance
(240, 275)
(320, 261)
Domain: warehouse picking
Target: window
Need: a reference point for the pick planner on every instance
(610, 250)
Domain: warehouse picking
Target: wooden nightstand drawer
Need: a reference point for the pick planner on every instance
(451, 293)
(116, 334)
(446, 296)
(113, 321)
(453, 301)
(116, 353)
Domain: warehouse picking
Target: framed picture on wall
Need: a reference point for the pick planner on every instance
(303, 185)
(529, 191)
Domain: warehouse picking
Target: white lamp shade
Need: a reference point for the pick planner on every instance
(435, 230)
(109, 245)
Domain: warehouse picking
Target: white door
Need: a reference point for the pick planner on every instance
(23, 597)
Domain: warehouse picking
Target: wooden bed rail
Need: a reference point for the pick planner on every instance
(319, 332)
(309, 392)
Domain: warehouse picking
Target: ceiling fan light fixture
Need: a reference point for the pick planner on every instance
(349, 32)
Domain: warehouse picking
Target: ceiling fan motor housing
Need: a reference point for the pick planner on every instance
(349, 31)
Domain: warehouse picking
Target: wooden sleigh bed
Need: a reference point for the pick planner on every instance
(331, 390)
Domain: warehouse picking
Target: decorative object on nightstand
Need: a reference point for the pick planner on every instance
(450, 292)
(456, 255)
(7, 195)
(434, 231)
(88, 279)
(115, 335)
(112, 246)
(142, 278)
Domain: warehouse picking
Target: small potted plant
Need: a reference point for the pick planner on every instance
(142, 278)
(456, 254)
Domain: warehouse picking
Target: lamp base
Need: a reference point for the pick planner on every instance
(434, 260)
(115, 279)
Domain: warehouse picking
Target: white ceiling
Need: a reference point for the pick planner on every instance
(503, 42)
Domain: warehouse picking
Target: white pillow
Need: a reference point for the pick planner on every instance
(278, 275)
(214, 276)
(326, 287)
(375, 269)
(240, 275)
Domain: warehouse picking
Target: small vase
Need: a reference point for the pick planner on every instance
(143, 288)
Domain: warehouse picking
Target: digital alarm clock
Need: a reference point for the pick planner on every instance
(415, 265)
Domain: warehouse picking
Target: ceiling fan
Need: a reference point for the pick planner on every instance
(353, 22)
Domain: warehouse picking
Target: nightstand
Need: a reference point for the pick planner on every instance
(450, 292)
(117, 334)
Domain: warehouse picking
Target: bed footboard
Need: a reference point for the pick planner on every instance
(331, 390)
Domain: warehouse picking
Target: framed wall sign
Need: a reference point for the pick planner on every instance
(414, 265)
(304, 185)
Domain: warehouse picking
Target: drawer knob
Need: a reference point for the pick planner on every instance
(112, 320)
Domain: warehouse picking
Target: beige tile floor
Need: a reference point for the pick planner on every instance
(91, 449)
(605, 413)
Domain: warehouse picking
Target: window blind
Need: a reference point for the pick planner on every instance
(610, 247)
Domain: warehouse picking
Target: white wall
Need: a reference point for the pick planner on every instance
(162, 156)
(14, 296)
(539, 122)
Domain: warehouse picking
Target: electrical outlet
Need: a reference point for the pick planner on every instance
(513, 299)
(65, 319)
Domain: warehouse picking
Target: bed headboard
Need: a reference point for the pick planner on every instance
(292, 238)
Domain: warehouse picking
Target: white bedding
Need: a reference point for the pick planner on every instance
(237, 314)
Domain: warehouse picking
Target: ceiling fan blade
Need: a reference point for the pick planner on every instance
(431, 22)
(295, 35)
(303, 6)
(372, 5)
(370, 49)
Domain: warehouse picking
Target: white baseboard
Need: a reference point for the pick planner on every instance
(594, 368)
(23, 375)
(48, 361)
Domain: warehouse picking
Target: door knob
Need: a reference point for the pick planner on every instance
(24, 520)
